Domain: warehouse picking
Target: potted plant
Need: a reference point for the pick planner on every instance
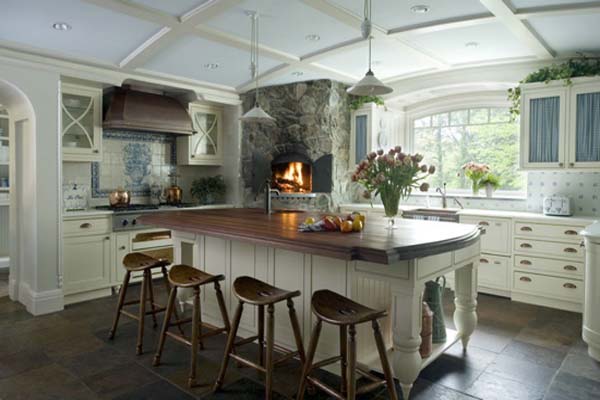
(491, 182)
(475, 172)
(392, 176)
(208, 190)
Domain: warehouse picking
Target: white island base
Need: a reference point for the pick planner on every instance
(397, 287)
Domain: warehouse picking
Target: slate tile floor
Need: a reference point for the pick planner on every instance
(518, 352)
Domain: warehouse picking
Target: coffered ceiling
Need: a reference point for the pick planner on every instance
(207, 41)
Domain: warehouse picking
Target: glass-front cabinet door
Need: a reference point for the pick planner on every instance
(543, 123)
(205, 146)
(584, 125)
(81, 123)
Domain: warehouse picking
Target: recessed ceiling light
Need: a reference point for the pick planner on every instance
(420, 9)
(61, 26)
(313, 37)
(211, 65)
(297, 73)
(471, 44)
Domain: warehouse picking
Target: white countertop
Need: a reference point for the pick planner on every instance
(98, 213)
(582, 219)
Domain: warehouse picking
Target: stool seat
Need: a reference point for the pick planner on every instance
(139, 262)
(184, 276)
(258, 293)
(339, 310)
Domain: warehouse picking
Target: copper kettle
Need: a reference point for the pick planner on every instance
(119, 198)
(173, 195)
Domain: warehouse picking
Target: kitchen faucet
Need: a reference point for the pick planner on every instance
(445, 197)
(268, 196)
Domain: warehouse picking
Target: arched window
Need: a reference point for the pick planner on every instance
(452, 138)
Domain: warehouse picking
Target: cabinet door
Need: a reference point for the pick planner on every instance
(205, 146)
(496, 239)
(493, 272)
(122, 248)
(81, 123)
(584, 126)
(361, 127)
(543, 123)
(86, 263)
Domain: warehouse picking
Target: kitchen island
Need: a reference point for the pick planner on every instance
(379, 268)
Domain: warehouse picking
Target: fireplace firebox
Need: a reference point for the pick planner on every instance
(292, 173)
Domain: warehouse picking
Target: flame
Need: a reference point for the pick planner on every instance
(293, 178)
(294, 173)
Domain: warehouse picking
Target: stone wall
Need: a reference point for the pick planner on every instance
(314, 115)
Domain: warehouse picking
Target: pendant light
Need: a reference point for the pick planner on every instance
(369, 85)
(256, 114)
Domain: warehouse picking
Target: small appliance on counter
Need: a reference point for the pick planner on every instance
(173, 194)
(119, 198)
(557, 205)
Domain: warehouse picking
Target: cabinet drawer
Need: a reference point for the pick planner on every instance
(568, 268)
(494, 271)
(553, 232)
(542, 248)
(88, 226)
(564, 288)
(497, 234)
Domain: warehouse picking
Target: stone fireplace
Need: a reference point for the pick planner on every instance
(305, 151)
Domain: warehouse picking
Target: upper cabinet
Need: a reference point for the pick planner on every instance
(205, 146)
(81, 123)
(372, 127)
(560, 125)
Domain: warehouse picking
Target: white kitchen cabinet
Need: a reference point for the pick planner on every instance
(560, 125)
(205, 146)
(81, 122)
(496, 239)
(122, 248)
(372, 127)
(87, 261)
(493, 273)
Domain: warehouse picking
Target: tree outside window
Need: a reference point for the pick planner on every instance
(450, 139)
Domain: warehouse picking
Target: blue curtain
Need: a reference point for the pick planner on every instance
(588, 127)
(360, 144)
(543, 129)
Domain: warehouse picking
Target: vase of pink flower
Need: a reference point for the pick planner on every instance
(475, 172)
(392, 176)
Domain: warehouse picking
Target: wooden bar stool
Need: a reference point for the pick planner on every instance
(345, 313)
(184, 276)
(260, 294)
(139, 262)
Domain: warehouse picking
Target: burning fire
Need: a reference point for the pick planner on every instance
(292, 179)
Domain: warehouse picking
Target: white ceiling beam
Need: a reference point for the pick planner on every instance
(137, 11)
(592, 7)
(437, 26)
(518, 28)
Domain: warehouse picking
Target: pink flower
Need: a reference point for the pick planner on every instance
(392, 152)
(424, 187)
(380, 152)
(432, 169)
(367, 194)
(354, 178)
(401, 156)
(372, 155)
(423, 168)
(398, 149)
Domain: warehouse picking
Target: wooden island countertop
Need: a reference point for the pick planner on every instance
(412, 239)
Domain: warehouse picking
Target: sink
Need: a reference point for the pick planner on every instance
(432, 214)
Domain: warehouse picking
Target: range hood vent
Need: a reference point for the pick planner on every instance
(141, 111)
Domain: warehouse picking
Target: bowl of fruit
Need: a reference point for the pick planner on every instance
(354, 222)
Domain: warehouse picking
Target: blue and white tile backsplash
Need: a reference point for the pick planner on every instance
(582, 187)
(133, 161)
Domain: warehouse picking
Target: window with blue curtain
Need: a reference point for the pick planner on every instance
(360, 144)
(588, 127)
(544, 122)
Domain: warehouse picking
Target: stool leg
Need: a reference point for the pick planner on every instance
(168, 286)
(230, 345)
(151, 296)
(165, 327)
(222, 307)
(261, 335)
(385, 365)
(113, 331)
(312, 348)
(296, 329)
(351, 370)
(344, 356)
(270, 347)
(195, 336)
(142, 314)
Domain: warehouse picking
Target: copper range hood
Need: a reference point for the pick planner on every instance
(149, 112)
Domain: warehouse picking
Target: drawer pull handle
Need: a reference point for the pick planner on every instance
(570, 268)
(497, 262)
(107, 238)
(525, 279)
(570, 250)
(526, 229)
(570, 232)
(570, 286)
(85, 225)
(484, 223)
(122, 248)
(526, 246)
(525, 262)
(484, 261)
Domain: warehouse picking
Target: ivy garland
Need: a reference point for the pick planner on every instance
(573, 68)
(358, 101)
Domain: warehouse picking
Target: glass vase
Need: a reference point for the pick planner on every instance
(391, 202)
(475, 188)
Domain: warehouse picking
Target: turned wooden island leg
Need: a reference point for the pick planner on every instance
(406, 325)
(465, 301)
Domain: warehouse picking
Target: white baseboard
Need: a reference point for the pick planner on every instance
(12, 289)
(546, 302)
(40, 303)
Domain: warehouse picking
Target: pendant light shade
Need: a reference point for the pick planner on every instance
(369, 85)
(256, 113)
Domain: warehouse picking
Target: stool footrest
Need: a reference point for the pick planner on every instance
(287, 356)
(369, 387)
(368, 375)
(325, 362)
(330, 391)
(245, 341)
(247, 362)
